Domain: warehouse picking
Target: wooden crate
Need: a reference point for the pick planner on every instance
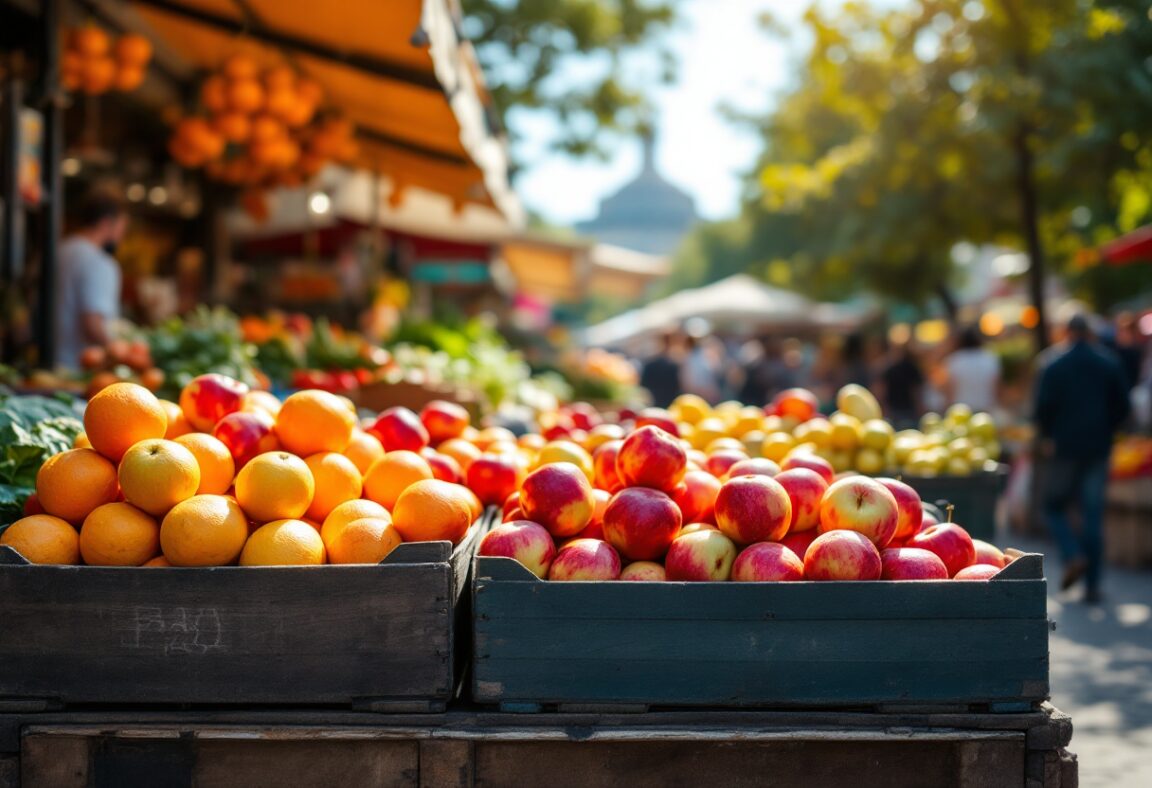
(380, 636)
(803, 644)
(466, 749)
(974, 497)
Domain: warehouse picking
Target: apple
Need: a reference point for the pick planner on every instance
(696, 496)
(510, 503)
(753, 509)
(805, 490)
(817, 431)
(725, 443)
(800, 541)
(651, 457)
(559, 497)
(911, 511)
(767, 562)
(692, 528)
(701, 556)
(842, 555)
(644, 571)
(858, 402)
(950, 542)
(444, 467)
(876, 434)
(444, 420)
(860, 504)
(987, 553)
(720, 462)
(800, 404)
(978, 572)
(493, 477)
(641, 523)
(595, 527)
(603, 433)
(911, 563)
(247, 434)
(515, 513)
(658, 417)
(811, 462)
(845, 435)
(584, 415)
(585, 559)
(756, 466)
(400, 428)
(526, 541)
(208, 398)
(869, 462)
(604, 473)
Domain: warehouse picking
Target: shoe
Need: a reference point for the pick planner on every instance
(1073, 571)
(1092, 596)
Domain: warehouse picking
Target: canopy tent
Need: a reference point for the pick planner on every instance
(568, 270)
(1130, 248)
(738, 303)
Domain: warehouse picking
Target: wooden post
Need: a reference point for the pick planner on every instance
(53, 182)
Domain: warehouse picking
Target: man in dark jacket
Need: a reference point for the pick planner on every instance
(1081, 400)
(661, 373)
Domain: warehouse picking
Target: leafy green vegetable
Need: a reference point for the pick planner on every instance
(32, 429)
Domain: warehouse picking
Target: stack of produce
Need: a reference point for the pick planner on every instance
(32, 429)
(93, 64)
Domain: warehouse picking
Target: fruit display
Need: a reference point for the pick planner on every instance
(227, 474)
(92, 63)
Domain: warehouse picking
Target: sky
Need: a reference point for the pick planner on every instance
(725, 59)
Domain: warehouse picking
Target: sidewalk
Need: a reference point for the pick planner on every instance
(1102, 672)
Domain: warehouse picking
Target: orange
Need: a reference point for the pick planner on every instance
(178, 423)
(261, 400)
(119, 534)
(364, 541)
(73, 483)
(460, 450)
(43, 539)
(121, 415)
(157, 561)
(354, 510)
(214, 459)
(337, 480)
(275, 485)
(392, 474)
(314, 421)
(283, 543)
(205, 530)
(240, 66)
(363, 450)
(81, 441)
(489, 435)
(155, 475)
(431, 510)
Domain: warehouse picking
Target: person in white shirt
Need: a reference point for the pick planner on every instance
(973, 372)
(88, 278)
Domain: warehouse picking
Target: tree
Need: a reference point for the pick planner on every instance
(530, 50)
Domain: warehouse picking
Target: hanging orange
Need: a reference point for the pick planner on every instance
(90, 41)
(240, 66)
(233, 126)
(98, 74)
(245, 95)
(133, 50)
(214, 94)
(128, 78)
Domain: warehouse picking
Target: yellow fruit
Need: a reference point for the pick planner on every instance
(337, 480)
(155, 475)
(157, 561)
(287, 542)
(777, 445)
(314, 421)
(122, 415)
(119, 534)
(275, 485)
(845, 432)
(690, 408)
(205, 530)
(565, 451)
(354, 510)
(857, 401)
(217, 468)
(706, 431)
(43, 539)
(363, 541)
(71, 484)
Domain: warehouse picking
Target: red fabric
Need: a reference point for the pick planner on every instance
(1130, 248)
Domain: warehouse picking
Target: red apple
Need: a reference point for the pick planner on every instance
(604, 466)
(767, 562)
(948, 541)
(720, 462)
(641, 523)
(987, 553)
(861, 504)
(559, 497)
(444, 420)
(511, 502)
(595, 528)
(799, 541)
(805, 490)
(753, 509)
(650, 457)
(515, 513)
(644, 571)
(702, 556)
(909, 505)
(800, 404)
(246, 434)
(585, 559)
(526, 541)
(911, 563)
(978, 572)
(400, 428)
(812, 463)
(926, 520)
(756, 466)
(842, 555)
(444, 467)
(692, 528)
(658, 417)
(696, 496)
(208, 398)
(493, 477)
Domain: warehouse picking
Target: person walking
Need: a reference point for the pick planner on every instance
(901, 387)
(973, 372)
(1081, 399)
(660, 374)
(88, 289)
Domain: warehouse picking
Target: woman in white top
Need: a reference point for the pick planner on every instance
(973, 372)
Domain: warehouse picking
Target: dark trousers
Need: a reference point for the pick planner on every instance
(1083, 482)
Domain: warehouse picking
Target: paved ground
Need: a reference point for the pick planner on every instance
(1102, 674)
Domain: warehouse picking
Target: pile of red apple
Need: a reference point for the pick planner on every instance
(649, 511)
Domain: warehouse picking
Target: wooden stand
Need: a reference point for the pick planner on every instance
(1128, 523)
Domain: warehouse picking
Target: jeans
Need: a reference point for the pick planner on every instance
(1081, 481)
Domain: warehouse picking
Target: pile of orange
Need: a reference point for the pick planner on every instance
(93, 64)
(144, 487)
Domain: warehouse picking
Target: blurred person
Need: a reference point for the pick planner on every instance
(660, 374)
(854, 362)
(1130, 347)
(767, 373)
(88, 277)
(699, 374)
(973, 372)
(1081, 399)
(901, 385)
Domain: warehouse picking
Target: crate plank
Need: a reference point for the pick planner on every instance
(306, 764)
(54, 762)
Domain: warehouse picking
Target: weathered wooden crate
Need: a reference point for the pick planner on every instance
(1128, 523)
(383, 636)
(804, 644)
(974, 497)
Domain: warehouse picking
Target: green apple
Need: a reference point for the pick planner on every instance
(772, 424)
(753, 441)
(870, 461)
(789, 423)
(958, 466)
(929, 421)
(993, 449)
(977, 456)
(841, 460)
(959, 447)
(959, 413)
(982, 427)
(902, 447)
(816, 430)
(876, 434)
(845, 434)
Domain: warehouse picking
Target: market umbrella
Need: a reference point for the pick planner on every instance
(1129, 248)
